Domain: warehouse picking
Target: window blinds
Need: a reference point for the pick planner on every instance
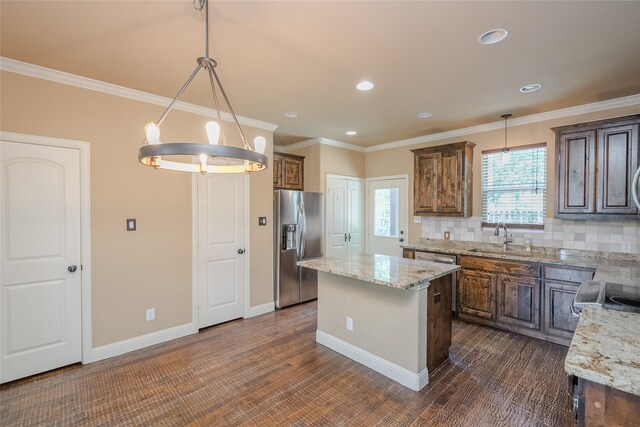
(514, 186)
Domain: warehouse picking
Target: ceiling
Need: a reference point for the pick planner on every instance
(306, 57)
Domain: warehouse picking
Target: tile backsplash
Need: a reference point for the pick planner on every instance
(604, 236)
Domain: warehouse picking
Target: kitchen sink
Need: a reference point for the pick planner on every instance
(493, 252)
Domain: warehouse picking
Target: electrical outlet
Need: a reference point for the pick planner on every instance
(151, 314)
(349, 324)
(447, 235)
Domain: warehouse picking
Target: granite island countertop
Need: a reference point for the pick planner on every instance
(610, 267)
(383, 270)
(606, 349)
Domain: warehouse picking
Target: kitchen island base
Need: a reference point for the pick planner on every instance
(401, 333)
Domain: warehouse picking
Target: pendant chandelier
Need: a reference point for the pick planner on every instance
(505, 150)
(211, 157)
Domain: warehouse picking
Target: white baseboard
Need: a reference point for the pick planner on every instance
(257, 310)
(136, 343)
(390, 370)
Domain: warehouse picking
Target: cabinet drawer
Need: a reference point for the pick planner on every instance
(566, 274)
(496, 266)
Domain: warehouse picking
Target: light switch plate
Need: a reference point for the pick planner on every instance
(131, 224)
(262, 220)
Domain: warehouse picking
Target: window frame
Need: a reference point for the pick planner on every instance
(497, 150)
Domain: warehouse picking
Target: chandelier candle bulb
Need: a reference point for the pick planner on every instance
(153, 133)
(203, 161)
(213, 132)
(259, 144)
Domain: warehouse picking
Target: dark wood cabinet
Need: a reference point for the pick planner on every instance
(600, 405)
(560, 286)
(288, 171)
(518, 301)
(476, 294)
(576, 177)
(595, 163)
(443, 180)
(617, 162)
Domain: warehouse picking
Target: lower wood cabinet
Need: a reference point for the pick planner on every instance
(558, 298)
(476, 294)
(518, 301)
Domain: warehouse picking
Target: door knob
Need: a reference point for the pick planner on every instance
(72, 268)
(240, 251)
(401, 239)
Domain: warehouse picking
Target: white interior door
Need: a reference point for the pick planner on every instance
(337, 220)
(386, 215)
(40, 307)
(221, 248)
(344, 216)
(355, 213)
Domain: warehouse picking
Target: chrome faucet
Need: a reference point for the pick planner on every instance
(507, 239)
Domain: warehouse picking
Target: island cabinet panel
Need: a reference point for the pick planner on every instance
(601, 405)
(518, 301)
(595, 162)
(288, 171)
(442, 184)
(476, 294)
(438, 321)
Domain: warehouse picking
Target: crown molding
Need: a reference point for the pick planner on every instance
(36, 71)
(534, 118)
(316, 141)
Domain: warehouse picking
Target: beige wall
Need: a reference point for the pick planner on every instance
(311, 155)
(321, 160)
(151, 267)
(400, 160)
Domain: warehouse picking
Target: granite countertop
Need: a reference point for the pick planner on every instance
(606, 345)
(606, 349)
(610, 267)
(383, 270)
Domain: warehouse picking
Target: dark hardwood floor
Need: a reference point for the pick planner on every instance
(268, 370)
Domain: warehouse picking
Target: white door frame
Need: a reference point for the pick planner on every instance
(326, 205)
(85, 224)
(367, 181)
(195, 271)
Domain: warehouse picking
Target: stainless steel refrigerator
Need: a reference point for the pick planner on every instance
(298, 219)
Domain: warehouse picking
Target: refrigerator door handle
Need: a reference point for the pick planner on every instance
(302, 222)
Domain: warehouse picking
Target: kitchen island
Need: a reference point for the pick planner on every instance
(391, 314)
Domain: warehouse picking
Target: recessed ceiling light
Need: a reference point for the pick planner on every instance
(424, 115)
(352, 132)
(530, 88)
(291, 114)
(365, 85)
(493, 36)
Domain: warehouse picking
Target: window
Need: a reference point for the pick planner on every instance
(514, 186)
(386, 212)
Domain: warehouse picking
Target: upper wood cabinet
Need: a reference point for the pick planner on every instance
(288, 171)
(594, 167)
(442, 180)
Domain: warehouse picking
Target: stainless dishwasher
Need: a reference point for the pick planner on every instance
(444, 259)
